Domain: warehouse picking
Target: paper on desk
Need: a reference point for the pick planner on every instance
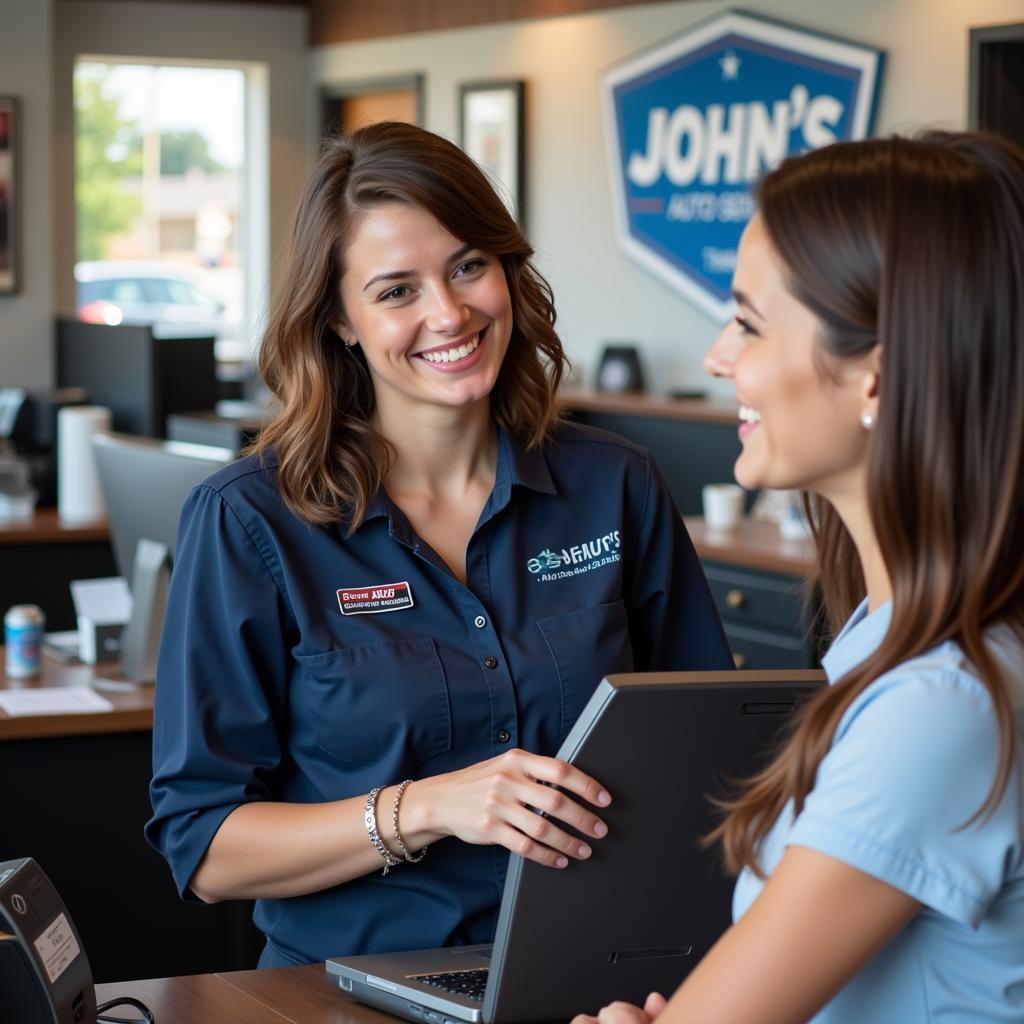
(102, 601)
(53, 700)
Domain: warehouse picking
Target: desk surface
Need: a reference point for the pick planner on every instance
(46, 527)
(753, 545)
(699, 410)
(284, 995)
(132, 712)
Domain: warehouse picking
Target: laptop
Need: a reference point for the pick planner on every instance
(639, 914)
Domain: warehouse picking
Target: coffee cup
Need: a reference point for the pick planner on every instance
(723, 506)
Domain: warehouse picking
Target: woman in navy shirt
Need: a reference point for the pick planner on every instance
(383, 622)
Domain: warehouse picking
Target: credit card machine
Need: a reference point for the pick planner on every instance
(44, 973)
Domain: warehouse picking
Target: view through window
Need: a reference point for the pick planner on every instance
(159, 199)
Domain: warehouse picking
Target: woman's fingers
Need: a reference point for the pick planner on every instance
(622, 1013)
(654, 1004)
(518, 842)
(545, 832)
(561, 806)
(561, 773)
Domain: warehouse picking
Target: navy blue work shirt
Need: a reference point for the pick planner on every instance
(298, 664)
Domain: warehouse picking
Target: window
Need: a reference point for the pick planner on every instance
(160, 199)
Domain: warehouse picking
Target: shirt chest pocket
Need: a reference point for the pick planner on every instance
(586, 644)
(379, 701)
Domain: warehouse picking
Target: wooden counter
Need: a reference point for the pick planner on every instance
(752, 545)
(133, 711)
(40, 556)
(46, 527)
(282, 995)
(693, 410)
(75, 797)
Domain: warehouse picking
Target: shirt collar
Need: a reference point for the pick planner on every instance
(860, 637)
(517, 465)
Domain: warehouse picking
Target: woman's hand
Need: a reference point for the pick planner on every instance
(626, 1013)
(493, 803)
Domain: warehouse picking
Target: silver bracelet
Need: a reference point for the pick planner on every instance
(394, 825)
(370, 817)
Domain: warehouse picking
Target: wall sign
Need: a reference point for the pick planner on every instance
(693, 123)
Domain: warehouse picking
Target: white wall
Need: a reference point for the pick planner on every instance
(601, 294)
(26, 40)
(275, 37)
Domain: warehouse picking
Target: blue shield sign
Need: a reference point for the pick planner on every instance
(692, 124)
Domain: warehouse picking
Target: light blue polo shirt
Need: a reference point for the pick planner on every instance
(912, 759)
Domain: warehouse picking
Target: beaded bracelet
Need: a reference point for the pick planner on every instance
(370, 817)
(394, 824)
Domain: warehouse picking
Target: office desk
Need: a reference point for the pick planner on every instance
(75, 797)
(284, 995)
(757, 579)
(40, 556)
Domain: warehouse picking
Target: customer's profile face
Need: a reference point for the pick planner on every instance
(800, 423)
(432, 314)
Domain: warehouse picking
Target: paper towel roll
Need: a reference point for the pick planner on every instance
(78, 487)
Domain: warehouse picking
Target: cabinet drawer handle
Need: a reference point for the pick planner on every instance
(735, 598)
(739, 660)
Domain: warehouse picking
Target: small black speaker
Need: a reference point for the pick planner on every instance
(45, 976)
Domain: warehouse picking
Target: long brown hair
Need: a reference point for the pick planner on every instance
(916, 245)
(331, 461)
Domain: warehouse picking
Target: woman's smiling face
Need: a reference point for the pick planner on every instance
(432, 314)
(800, 411)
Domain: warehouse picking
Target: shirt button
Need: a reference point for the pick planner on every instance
(491, 661)
(504, 735)
(479, 622)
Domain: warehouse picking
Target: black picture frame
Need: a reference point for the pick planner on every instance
(492, 131)
(10, 195)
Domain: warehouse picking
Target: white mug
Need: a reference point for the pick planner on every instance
(723, 506)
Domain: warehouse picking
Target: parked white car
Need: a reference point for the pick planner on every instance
(160, 294)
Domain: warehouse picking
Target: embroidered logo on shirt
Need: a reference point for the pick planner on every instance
(579, 558)
(381, 597)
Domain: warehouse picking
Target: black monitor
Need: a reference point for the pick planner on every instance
(140, 378)
(145, 483)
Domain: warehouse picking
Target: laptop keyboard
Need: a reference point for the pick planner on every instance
(461, 983)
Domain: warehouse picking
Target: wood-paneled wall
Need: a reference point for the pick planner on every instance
(342, 21)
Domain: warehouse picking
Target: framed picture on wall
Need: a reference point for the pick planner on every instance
(491, 132)
(10, 195)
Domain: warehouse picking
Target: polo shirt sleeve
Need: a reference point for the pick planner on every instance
(911, 764)
(673, 623)
(221, 682)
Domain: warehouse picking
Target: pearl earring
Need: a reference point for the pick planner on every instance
(867, 421)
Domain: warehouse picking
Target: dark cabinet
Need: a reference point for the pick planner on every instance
(766, 616)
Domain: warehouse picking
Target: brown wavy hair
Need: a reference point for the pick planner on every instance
(916, 245)
(331, 460)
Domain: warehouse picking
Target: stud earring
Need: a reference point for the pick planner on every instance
(867, 421)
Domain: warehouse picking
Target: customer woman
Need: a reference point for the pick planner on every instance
(421, 574)
(878, 359)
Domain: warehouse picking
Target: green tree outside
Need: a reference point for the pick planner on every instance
(180, 151)
(108, 148)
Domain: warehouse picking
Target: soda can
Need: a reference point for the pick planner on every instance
(23, 636)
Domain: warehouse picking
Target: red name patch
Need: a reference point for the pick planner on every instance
(381, 597)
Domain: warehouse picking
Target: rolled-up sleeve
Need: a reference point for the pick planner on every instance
(221, 685)
(673, 620)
